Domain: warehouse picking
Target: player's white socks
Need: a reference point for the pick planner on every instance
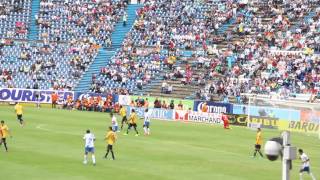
(148, 131)
(93, 159)
(85, 161)
(312, 176)
(145, 130)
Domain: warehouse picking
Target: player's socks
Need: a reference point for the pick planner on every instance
(94, 159)
(112, 155)
(5, 146)
(85, 161)
(260, 153)
(312, 176)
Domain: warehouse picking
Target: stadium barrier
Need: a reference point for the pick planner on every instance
(31, 95)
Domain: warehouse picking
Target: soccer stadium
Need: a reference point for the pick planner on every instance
(159, 89)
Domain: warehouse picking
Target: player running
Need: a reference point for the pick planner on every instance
(4, 133)
(123, 114)
(146, 124)
(305, 165)
(114, 123)
(19, 111)
(258, 143)
(133, 122)
(110, 139)
(89, 147)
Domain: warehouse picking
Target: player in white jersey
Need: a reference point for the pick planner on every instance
(89, 147)
(146, 124)
(114, 123)
(305, 164)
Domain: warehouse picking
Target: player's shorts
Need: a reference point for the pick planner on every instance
(132, 125)
(19, 117)
(114, 128)
(305, 169)
(146, 124)
(3, 140)
(257, 146)
(109, 147)
(89, 150)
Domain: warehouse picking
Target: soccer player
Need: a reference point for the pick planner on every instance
(133, 122)
(146, 124)
(123, 114)
(305, 164)
(258, 143)
(4, 134)
(89, 147)
(19, 111)
(111, 139)
(114, 122)
(225, 120)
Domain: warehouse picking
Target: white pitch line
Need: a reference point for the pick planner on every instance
(40, 127)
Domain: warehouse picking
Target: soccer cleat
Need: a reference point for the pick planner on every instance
(85, 162)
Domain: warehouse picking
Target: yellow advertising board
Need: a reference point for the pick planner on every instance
(298, 126)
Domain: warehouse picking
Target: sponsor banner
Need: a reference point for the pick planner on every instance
(310, 116)
(261, 111)
(266, 122)
(238, 119)
(242, 120)
(200, 117)
(187, 104)
(297, 126)
(80, 95)
(155, 113)
(30, 95)
(213, 107)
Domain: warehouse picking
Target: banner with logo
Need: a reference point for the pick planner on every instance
(242, 120)
(155, 113)
(262, 111)
(199, 117)
(297, 126)
(31, 95)
(238, 119)
(213, 107)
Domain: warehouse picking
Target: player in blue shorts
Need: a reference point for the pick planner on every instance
(89, 147)
(305, 165)
(146, 124)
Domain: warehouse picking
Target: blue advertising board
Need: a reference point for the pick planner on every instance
(155, 113)
(213, 107)
(30, 95)
(262, 111)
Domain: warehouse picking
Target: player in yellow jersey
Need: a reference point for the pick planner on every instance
(19, 111)
(5, 133)
(110, 139)
(123, 114)
(133, 122)
(258, 143)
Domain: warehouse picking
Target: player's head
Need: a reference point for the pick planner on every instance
(300, 151)
(133, 110)
(88, 131)
(259, 129)
(2, 122)
(120, 106)
(110, 128)
(147, 110)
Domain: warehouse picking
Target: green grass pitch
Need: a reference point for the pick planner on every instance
(51, 147)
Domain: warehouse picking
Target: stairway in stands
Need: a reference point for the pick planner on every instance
(33, 33)
(105, 54)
